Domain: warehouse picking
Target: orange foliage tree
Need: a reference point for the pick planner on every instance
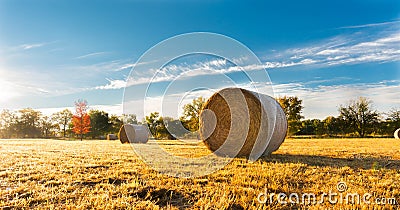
(81, 119)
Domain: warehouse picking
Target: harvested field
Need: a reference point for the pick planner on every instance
(50, 174)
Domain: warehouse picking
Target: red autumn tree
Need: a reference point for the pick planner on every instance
(81, 119)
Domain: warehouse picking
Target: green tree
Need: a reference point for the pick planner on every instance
(333, 125)
(292, 106)
(389, 125)
(47, 126)
(394, 119)
(175, 127)
(129, 119)
(312, 127)
(62, 119)
(28, 123)
(157, 126)
(99, 123)
(153, 121)
(116, 123)
(7, 123)
(359, 116)
(191, 113)
(161, 129)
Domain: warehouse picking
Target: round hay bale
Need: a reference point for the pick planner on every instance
(396, 134)
(238, 122)
(112, 137)
(133, 134)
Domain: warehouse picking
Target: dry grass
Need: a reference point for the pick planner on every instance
(54, 174)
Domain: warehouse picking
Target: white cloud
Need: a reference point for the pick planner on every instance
(351, 49)
(173, 71)
(31, 46)
(130, 65)
(335, 51)
(110, 109)
(107, 66)
(213, 67)
(328, 52)
(372, 24)
(50, 111)
(339, 50)
(113, 84)
(91, 55)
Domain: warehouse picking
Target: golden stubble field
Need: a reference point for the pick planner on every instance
(57, 174)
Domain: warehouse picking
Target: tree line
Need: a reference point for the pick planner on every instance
(356, 118)
(30, 123)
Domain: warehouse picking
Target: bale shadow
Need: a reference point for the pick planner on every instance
(165, 197)
(355, 162)
(113, 181)
(235, 206)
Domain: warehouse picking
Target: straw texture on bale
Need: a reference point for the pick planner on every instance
(112, 137)
(133, 134)
(396, 134)
(236, 122)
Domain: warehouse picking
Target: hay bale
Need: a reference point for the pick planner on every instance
(112, 137)
(133, 134)
(396, 134)
(237, 122)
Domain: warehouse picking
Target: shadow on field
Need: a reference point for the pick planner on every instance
(164, 197)
(355, 162)
(113, 181)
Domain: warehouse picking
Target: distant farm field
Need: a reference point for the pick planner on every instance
(56, 174)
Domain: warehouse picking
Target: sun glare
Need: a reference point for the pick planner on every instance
(7, 91)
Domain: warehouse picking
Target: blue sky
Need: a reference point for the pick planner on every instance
(326, 52)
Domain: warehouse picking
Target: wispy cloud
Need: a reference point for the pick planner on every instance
(106, 66)
(372, 24)
(381, 49)
(351, 49)
(91, 55)
(130, 65)
(340, 50)
(181, 71)
(113, 84)
(344, 49)
(384, 49)
(29, 46)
